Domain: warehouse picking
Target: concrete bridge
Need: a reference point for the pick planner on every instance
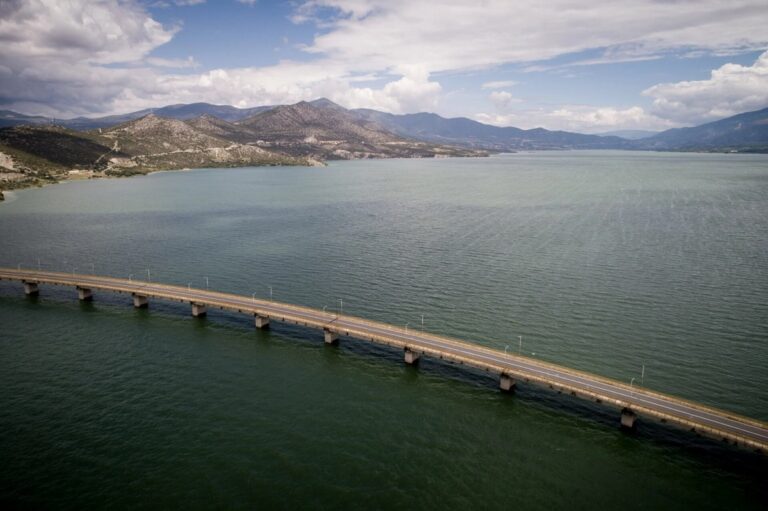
(511, 369)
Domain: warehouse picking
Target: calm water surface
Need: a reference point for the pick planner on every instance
(602, 261)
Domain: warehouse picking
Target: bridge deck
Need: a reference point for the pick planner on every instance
(704, 419)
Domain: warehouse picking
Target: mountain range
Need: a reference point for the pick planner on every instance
(35, 149)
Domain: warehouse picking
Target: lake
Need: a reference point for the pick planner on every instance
(631, 265)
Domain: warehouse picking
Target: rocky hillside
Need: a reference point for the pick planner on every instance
(32, 155)
(323, 129)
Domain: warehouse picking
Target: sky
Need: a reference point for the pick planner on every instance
(587, 66)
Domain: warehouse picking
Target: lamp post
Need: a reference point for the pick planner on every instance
(520, 347)
(406, 328)
(341, 306)
(505, 351)
(642, 376)
(206, 282)
(130, 277)
(93, 269)
(253, 297)
(149, 276)
(422, 323)
(324, 307)
(270, 294)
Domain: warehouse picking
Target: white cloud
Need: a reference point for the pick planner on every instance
(580, 118)
(36, 31)
(248, 2)
(189, 62)
(731, 89)
(457, 35)
(85, 57)
(501, 84)
(502, 99)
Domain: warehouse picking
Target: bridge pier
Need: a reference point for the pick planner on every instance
(628, 418)
(140, 301)
(506, 383)
(330, 337)
(30, 288)
(411, 357)
(261, 321)
(84, 294)
(198, 309)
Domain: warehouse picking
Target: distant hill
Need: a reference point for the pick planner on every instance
(326, 130)
(11, 118)
(463, 131)
(322, 129)
(629, 134)
(180, 111)
(743, 132)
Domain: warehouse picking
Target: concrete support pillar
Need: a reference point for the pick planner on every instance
(411, 357)
(140, 302)
(31, 289)
(84, 294)
(506, 383)
(628, 418)
(330, 337)
(261, 321)
(198, 309)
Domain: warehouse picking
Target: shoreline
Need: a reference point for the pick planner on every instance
(9, 193)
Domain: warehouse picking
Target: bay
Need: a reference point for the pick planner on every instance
(602, 261)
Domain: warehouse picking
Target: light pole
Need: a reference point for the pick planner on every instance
(505, 351)
(73, 270)
(520, 347)
(149, 276)
(341, 306)
(324, 307)
(130, 277)
(189, 285)
(39, 265)
(422, 323)
(206, 282)
(270, 294)
(642, 376)
(406, 328)
(253, 297)
(93, 269)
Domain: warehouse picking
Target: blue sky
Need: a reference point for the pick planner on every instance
(583, 66)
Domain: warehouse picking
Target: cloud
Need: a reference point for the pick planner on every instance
(580, 118)
(189, 62)
(731, 89)
(248, 2)
(499, 84)
(36, 32)
(83, 57)
(502, 99)
(456, 35)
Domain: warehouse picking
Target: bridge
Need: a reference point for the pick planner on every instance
(510, 368)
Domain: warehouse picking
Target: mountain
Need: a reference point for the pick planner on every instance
(629, 134)
(466, 132)
(39, 154)
(180, 111)
(326, 130)
(746, 132)
(11, 118)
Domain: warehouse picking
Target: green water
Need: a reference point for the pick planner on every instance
(602, 261)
